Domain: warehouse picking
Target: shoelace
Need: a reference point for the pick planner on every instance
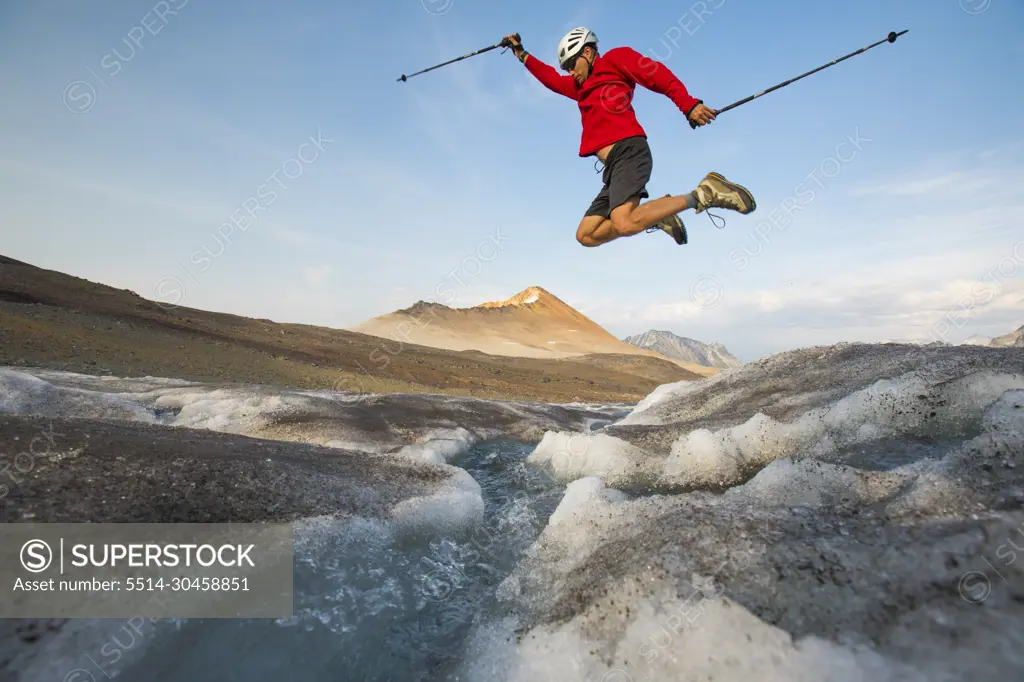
(711, 216)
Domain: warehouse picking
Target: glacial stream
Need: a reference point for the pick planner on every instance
(368, 607)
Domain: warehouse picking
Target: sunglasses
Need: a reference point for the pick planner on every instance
(571, 63)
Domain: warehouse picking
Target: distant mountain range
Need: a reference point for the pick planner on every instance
(686, 350)
(1013, 339)
(976, 341)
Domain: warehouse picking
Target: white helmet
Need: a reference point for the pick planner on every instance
(573, 43)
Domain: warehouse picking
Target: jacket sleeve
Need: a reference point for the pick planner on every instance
(656, 77)
(563, 85)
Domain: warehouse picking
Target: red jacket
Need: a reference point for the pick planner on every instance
(606, 97)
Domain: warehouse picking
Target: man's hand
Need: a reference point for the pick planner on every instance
(701, 115)
(515, 43)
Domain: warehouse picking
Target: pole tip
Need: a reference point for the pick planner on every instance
(403, 78)
(893, 35)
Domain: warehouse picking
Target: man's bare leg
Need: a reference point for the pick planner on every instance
(593, 230)
(630, 218)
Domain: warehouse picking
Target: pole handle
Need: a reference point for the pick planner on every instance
(694, 125)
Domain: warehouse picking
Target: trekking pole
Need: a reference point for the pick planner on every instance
(505, 42)
(891, 38)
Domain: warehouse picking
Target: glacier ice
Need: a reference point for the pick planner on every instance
(844, 513)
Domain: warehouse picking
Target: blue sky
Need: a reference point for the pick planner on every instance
(889, 186)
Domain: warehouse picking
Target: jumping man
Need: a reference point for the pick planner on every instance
(603, 85)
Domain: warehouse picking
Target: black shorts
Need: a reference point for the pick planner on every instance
(626, 173)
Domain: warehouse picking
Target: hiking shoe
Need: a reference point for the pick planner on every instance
(673, 225)
(714, 191)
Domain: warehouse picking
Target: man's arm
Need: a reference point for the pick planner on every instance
(657, 77)
(547, 75)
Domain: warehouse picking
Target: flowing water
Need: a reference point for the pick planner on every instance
(368, 606)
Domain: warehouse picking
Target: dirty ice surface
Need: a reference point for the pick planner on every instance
(837, 513)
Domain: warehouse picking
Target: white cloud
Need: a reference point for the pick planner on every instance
(982, 178)
(316, 276)
(900, 308)
(921, 186)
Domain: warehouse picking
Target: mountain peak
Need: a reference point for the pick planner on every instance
(533, 323)
(528, 296)
(681, 348)
(1014, 338)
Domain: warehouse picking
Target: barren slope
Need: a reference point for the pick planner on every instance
(50, 319)
(534, 324)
